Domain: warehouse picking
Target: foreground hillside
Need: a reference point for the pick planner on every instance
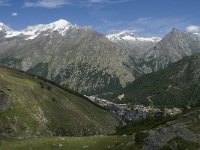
(71, 143)
(178, 85)
(32, 107)
(170, 133)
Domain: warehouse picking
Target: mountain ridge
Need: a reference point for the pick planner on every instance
(173, 47)
(31, 32)
(72, 59)
(87, 61)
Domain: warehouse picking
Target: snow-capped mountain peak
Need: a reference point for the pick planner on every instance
(31, 32)
(55, 26)
(3, 27)
(7, 31)
(1, 24)
(130, 36)
(120, 35)
(197, 33)
(60, 24)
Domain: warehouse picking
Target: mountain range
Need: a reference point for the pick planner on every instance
(76, 57)
(134, 44)
(46, 66)
(87, 61)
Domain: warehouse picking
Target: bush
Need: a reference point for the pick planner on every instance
(139, 138)
(145, 124)
(42, 85)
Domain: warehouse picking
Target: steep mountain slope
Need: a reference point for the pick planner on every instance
(178, 85)
(3, 30)
(153, 53)
(70, 55)
(135, 45)
(33, 107)
(173, 47)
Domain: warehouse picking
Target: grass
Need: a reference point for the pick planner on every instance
(39, 108)
(71, 143)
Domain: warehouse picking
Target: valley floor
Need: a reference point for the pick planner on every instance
(70, 143)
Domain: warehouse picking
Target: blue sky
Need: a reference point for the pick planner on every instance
(145, 17)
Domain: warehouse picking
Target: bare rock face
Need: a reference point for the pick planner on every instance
(4, 103)
(163, 135)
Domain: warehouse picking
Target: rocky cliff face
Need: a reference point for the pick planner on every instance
(179, 133)
(4, 102)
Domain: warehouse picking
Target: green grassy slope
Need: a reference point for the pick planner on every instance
(33, 107)
(71, 143)
(178, 85)
(186, 136)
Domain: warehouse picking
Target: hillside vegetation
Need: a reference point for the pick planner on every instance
(33, 107)
(178, 85)
(179, 132)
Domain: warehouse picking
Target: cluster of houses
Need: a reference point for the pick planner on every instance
(133, 113)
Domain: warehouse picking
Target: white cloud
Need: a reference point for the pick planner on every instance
(14, 14)
(4, 2)
(193, 29)
(47, 3)
(96, 1)
(108, 1)
(60, 3)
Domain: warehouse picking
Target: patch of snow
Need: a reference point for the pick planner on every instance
(130, 36)
(12, 33)
(4, 28)
(32, 32)
(197, 34)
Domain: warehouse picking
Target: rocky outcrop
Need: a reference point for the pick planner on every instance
(163, 135)
(4, 103)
